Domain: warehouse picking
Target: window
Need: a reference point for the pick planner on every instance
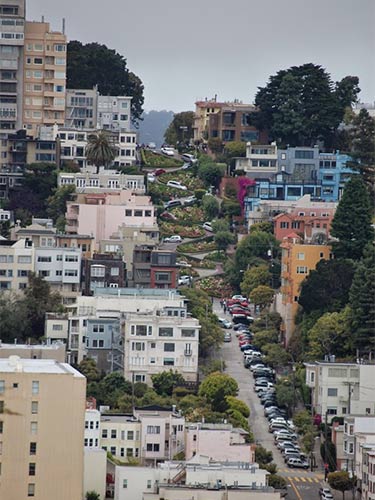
(168, 361)
(34, 427)
(165, 332)
(168, 347)
(149, 484)
(34, 407)
(129, 452)
(113, 434)
(331, 392)
(32, 448)
(301, 270)
(2, 386)
(139, 330)
(140, 378)
(44, 259)
(98, 328)
(113, 450)
(115, 271)
(35, 387)
(153, 447)
(1, 406)
(331, 411)
(124, 483)
(138, 213)
(148, 213)
(31, 490)
(97, 271)
(128, 213)
(304, 154)
(24, 259)
(60, 48)
(57, 328)
(301, 256)
(32, 468)
(71, 258)
(284, 225)
(187, 332)
(153, 429)
(104, 433)
(138, 346)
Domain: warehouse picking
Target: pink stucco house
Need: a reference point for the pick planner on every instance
(101, 215)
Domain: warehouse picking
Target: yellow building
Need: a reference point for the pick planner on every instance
(297, 261)
(44, 77)
(42, 407)
(203, 111)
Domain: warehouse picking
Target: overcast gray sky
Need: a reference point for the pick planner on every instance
(184, 50)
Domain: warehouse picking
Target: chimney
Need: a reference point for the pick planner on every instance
(63, 25)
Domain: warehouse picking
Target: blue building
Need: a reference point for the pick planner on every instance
(104, 343)
(333, 174)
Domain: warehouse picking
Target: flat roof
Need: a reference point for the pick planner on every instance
(15, 364)
(54, 345)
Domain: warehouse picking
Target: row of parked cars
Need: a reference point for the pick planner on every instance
(283, 429)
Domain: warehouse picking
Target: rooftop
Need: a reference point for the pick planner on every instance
(14, 364)
(55, 345)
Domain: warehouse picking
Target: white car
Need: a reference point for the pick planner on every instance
(151, 177)
(177, 185)
(173, 239)
(183, 263)
(207, 226)
(239, 297)
(184, 280)
(167, 151)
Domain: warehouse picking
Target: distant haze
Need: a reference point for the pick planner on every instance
(184, 51)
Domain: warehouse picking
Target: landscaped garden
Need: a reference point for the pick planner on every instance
(185, 178)
(155, 160)
(202, 246)
(215, 286)
(185, 231)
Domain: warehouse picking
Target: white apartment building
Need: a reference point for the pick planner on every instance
(42, 429)
(260, 160)
(162, 433)
(17, 261)
(194, 480)
(61, 268)
(161, 340)
(73, 143)
(341, 388)
(81, 108)
(88, 181)
(92, 429)
(114, 113)
(357, 428)
(120, 435)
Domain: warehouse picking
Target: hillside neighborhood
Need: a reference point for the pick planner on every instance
(186, 320)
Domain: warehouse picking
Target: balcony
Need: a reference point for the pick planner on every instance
(188, 352)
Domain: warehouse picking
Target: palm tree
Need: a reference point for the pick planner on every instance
(92, 495)
(100, 150)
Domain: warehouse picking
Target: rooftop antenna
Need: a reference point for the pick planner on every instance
(63, 25)
(42, 19)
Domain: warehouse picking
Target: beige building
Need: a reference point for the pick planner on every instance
(44, 77)
(120, 435)
(16, 263)
(55, 350)
(41, 429)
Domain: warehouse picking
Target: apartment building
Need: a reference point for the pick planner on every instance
(17, 261)
(105, 344)
(297, 260)
(44, 76)
(203, 439)
(41, 396)
(313, 226)
(356, 428)
(81, 108)
(162, 433)
(102, 215)
(341, 388)
(40, 233)
(152, 268)
(82, 241)
(61, 268)
(87, 181)
(196, 479)
(203, 110)
(160, 340)
(120, 435)
(114, 113)
(116, 303)
(12, 22)
(102, 271)
(260, 160)
(56, 327)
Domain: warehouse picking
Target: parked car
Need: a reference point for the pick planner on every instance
(245, 346)
(183, 263)
(159, 171)
(177, 185)
(190, 200)
(172, 204)
(225, 323)
(151, 177)
(188, 157)
(167, 151)
(227, 337)
(185, 280)
(239, 297)
(173, 239)
(298, 463)
(325, 494)
(240, 326)
(207, 226)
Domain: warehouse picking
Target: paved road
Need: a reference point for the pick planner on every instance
(301, 484)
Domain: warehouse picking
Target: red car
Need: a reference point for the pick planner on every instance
(240, 312)
(159, 171)
(235, 302)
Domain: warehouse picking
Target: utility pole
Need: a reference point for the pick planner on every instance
(326, 465)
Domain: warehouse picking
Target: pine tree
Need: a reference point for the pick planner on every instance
(352, 221)
(362, 302)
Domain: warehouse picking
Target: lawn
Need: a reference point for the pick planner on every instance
(155, 160)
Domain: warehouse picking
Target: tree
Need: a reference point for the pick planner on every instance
(326, 288)
(277, 482)
(220, 225)
(301, 106)
(263, 456)
(266, 227)
(262, 296)
(216, 387)
(92, 495)
(361, 301)
(180, 130)
(223, 239)
(276, 356)
(231, 208)
(38, 300)
(253, 277)
(57, 204)
(235, 149)
(210, 207)
(215, 145)
(285, 395)
(347, 91)
(352, 221)
(341, 481)
(95, 64)
(89, 369)
(237, 419)
(255, 244)
(165, 382)
(211, 173)
(265, 337)
(111, 388)
(12, 325)
(238, 405)
(331, 334)
(100, 150)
